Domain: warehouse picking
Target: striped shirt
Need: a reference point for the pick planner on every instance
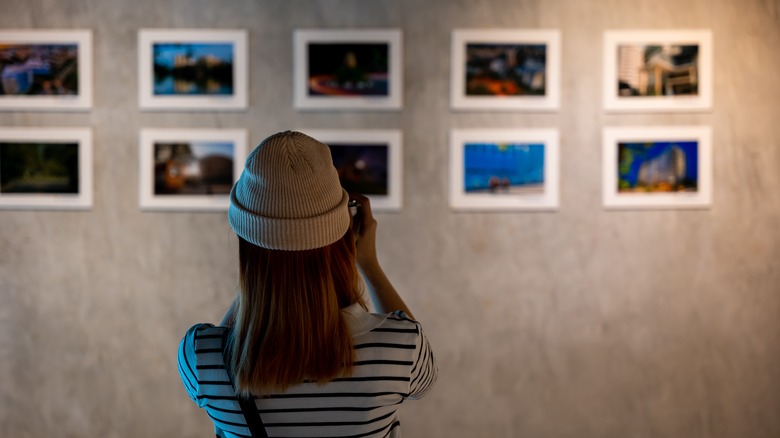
(393, 362)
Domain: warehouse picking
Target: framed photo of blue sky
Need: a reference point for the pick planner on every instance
(369, 161)
(657, 167)
(192, 69)
(504, 169)
(45, 70)
(46, 168)
(189, 169)
(505, 69)
(347, 69)
(657, 71)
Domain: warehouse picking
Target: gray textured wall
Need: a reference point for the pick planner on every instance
(577, 323)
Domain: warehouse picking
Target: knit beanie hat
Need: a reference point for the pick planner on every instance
(289, 196)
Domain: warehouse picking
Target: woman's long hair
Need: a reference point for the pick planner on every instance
(288, 322)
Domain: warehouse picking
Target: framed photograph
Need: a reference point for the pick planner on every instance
(369, 162)
(505, 69)
(190, 169)
(657, 70)
(45, 70)
(347, 69)
(658, 167)
(46, 168)
(510, 169)
(189, 69)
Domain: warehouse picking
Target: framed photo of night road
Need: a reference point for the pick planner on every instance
(46, 168)
(347, 69)
(505, 69)
(192, 69)
(504, 169)
(45, 70)
(657, 71)
(657, 167)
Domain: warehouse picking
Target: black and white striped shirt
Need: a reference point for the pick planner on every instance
(393, 362)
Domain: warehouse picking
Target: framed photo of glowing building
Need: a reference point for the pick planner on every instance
(46, 168)
(347, 69)
(658, 167)
(505, 70)
(368, 162)
(511, 169)
(45, 70)
(189, 169)
(192, 69)
(662, 71)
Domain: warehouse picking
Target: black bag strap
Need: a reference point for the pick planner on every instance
(248, 407)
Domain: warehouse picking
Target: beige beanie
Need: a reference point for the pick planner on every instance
(289, 196)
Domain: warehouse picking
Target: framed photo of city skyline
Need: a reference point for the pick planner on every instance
(46, 168)
(45, 70)
(657, 71)
(505, 69)
(192, 69)
(368, 161)
(657, 167)
(504, 169)
(347, 69)
(189, 169)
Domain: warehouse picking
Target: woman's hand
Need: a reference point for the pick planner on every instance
(364, 229)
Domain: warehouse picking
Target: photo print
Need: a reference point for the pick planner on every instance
(45, 168)
(192, 69)
(45, 70)
(653, 167)
(513, 70)
(666, 71)
(190, 169)
(357, 69)
(504, 170)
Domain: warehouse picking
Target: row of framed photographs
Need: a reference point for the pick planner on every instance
(207, 69)
(490, 170)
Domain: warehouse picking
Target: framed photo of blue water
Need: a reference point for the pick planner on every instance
(189, 169)
(657, 167)
(45, 70)
(347, 69)
(368, 161)
(509, 169)
(46, 168)
(203, 69)
(505, 69)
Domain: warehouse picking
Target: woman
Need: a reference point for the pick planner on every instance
(298, 341)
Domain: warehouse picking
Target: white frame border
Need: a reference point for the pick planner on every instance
(53, 201)
(547, 201)
(393, 201)
(392, 37)
(149, 201)
(549, 37)
(148, 101)
(80, 102)
(614, 103)
(613, 199)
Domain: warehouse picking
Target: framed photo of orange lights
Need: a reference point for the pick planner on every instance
(347, 69)
(657, 167)
(505, 69)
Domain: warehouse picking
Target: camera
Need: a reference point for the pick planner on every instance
(353, 205)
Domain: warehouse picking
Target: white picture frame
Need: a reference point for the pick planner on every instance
(525, 178)
(58, 175)
(657, 70)
(172, 176)
(515, 70)
(651, 167)
(178, 54)
(53, 71)
(369, 62)
(383, 147)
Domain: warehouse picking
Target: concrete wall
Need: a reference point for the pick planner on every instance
(577, 323)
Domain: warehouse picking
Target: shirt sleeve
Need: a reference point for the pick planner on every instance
(187, 364)
(424, 370)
